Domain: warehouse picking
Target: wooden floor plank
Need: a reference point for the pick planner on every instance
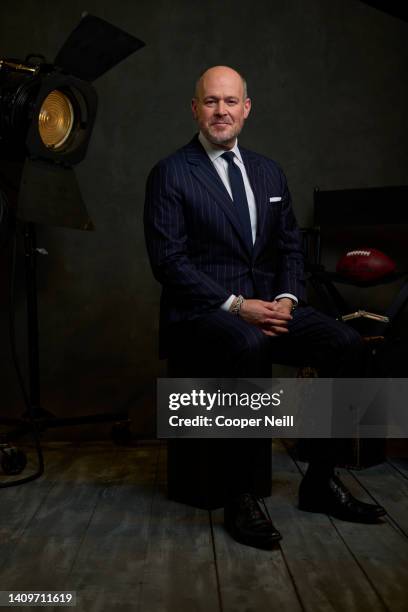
(180, 570)
(19, 504)
(99, 522)
(251, 579)
(380, 550)
(399, 464)
(390, 488)
(113, 550)
(44, 552)
(326, 575)
(110, 597)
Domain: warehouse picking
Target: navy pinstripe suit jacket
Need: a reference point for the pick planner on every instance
(195, 242)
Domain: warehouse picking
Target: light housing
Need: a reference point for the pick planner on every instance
(79, 100)
(44, 113)
(47, 113)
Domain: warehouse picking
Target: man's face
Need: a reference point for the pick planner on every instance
(219, 107)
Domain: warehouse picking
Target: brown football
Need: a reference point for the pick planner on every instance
(365, 265)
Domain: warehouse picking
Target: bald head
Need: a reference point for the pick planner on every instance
(219, 72)
(220, 105)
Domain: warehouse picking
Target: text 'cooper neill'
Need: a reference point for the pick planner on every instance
(222, 421)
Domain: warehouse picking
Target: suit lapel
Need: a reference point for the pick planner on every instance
(204, 171)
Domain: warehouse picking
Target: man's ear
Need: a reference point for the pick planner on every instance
(247, 107)
(194, 107)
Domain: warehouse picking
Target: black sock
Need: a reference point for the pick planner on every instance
(320, 470)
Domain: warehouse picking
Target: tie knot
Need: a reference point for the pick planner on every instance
(228, 156)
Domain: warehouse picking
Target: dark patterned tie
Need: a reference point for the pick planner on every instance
(239, 197)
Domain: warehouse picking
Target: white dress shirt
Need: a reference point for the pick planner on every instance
(221, 166)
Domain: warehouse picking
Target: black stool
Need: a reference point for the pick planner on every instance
(194, 466)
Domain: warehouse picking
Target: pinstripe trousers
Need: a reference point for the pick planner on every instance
(222, 345)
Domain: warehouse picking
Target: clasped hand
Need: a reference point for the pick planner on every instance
(271, 317)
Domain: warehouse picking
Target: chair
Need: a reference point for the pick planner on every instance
(341, 219)
(349, 219)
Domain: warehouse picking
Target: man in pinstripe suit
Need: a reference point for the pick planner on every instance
(224, 243)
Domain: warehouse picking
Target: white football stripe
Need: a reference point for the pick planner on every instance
(364, 253)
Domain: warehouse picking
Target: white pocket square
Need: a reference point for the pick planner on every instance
(275, 199)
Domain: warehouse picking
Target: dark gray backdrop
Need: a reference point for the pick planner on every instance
(330, 98)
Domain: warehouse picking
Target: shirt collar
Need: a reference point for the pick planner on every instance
(214, 152)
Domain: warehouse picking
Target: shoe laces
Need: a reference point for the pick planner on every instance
(253, 509)
(262, 501)
(337, 485)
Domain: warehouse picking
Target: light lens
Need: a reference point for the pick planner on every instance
(55, 120)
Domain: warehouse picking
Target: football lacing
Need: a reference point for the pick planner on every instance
(365, 253)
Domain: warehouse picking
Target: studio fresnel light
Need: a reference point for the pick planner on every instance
(47, 113)
(44, 113)
(46, 117)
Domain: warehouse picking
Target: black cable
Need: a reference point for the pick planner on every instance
(40, 471)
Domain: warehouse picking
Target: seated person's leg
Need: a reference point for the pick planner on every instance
(221, 345)
(338, 351)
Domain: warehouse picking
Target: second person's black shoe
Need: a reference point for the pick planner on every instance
(333, 497)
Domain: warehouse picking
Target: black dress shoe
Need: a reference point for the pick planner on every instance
(247, 523)
(332, 497)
